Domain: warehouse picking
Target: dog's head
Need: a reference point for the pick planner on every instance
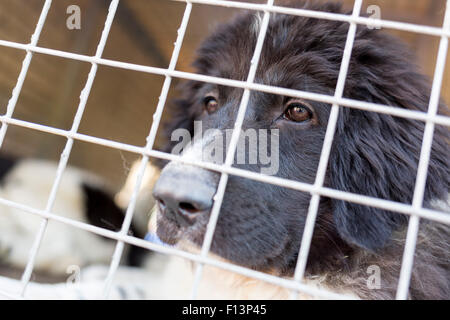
(260, 225)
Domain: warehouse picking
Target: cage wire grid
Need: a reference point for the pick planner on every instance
(317, 190)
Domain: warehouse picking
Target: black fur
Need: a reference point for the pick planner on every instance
(6, 165)
(260, 225)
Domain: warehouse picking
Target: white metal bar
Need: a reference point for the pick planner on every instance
(25, 66)
(150, 142)
(368, 106)
(326, 150)
(68, 148)
(286, 283)
(173, 251)
(422, 169)
(396, 25)
(148, 245)
(291, 184)
(220, 193)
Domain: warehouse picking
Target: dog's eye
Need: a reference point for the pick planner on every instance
(211, 104)
(298, 112)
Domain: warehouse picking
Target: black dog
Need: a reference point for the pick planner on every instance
(260, 225)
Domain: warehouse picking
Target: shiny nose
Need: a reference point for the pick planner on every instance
(183, 193)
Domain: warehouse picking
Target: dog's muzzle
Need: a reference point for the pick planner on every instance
(183, 193)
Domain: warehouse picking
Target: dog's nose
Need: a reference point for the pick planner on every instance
(183, 193)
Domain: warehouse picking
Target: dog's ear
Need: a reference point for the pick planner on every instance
(376, 154)
(366, 161)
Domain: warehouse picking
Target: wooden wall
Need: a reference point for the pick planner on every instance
(122, 102)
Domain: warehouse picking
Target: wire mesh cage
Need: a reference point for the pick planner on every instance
(142, 83)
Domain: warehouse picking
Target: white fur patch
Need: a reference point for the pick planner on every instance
(257, 22)
(177, 280)
(145, 201)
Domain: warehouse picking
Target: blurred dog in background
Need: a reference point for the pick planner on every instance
(81, 196)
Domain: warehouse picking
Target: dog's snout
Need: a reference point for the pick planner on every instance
(181, 204)
(183, 193)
